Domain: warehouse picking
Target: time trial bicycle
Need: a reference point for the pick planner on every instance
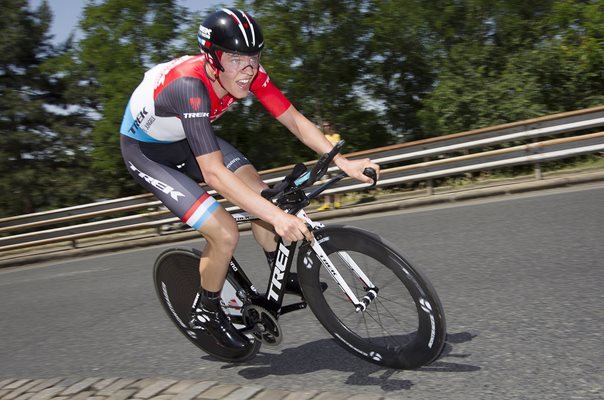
(377, 305)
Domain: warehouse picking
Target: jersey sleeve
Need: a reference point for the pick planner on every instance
(271, 98)
(188, 99)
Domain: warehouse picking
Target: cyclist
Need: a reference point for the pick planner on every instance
(169, 146)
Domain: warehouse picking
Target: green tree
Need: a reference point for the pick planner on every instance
(122, 38)
(43, 157)
(478, 62)
(569, 63)
(506, 60)
(398, 55)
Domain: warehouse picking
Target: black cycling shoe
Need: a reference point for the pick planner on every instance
(219, 326)
(292, 286)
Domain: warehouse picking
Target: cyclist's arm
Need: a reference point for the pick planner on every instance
(228, 184)
(305, 131)
(312, 137)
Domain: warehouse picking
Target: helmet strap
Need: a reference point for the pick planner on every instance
(211, 62)
(220, 83)
(216, 55)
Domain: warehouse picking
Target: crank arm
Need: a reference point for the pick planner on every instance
(292, 307)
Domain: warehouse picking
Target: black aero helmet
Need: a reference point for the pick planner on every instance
(230, 30)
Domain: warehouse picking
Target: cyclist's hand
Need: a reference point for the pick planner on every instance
(355, 168)
(291, 228)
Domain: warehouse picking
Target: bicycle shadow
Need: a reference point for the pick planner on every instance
(325, 354)
(445, 366)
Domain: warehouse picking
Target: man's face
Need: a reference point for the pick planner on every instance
(239, 71)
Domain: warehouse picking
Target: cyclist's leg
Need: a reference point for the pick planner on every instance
(155, 167)
(236, 162)
(221, 234)
(263, 232)
(187, 200)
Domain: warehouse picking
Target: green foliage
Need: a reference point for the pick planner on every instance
(398, 68)
(42, 159)
(122, 38)
(516, 60)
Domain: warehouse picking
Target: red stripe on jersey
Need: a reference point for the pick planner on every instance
(195, 206)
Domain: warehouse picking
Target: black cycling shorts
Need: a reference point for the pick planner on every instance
(171, 172)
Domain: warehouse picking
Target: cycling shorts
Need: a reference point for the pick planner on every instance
(171, 172)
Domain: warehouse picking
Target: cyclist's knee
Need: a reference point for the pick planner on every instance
(223, 234)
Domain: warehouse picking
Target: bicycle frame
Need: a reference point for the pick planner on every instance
(281, 267)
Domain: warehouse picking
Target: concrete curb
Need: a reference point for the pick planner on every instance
(382, 204)
(155, 388)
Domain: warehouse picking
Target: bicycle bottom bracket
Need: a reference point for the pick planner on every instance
(263, 323)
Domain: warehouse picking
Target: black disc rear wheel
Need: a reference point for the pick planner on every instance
(177, 281)
(403, 327)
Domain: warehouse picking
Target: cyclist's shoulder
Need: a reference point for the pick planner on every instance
(261, 80)
(268, 94)
(187, 64)
(186, 70)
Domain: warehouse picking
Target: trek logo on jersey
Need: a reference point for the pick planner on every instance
(137, 121)
(167, 189)
(196, 115)
(195, 102)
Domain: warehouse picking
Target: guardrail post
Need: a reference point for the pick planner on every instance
(537, 167)
(429, 182)
(538, 173)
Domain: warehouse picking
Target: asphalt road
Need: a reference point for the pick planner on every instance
(521, 279)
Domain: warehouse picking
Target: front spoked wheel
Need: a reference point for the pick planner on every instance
(400, 324)
(177, 280)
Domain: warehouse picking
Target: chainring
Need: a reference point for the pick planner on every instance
(265, 325)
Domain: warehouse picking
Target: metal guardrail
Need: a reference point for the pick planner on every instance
(445, 156)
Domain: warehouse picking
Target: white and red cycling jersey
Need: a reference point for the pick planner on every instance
(176, 101)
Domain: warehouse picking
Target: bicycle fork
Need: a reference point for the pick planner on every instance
(371, 290)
